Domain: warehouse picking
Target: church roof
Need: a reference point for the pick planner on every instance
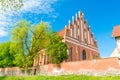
(116, 31)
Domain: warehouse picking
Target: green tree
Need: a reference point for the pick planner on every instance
(56, 50)
(38, 40)
(30, 39)
(21, 40)
(40, 37)
(18, 56)
(6, 55)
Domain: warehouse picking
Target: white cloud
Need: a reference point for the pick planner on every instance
(38, 6)
(30, 6)
(3, 32)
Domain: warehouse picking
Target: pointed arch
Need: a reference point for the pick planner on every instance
(70, 54)
(83, 55)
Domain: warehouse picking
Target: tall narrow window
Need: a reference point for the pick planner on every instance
(71, 54)
(83, 55)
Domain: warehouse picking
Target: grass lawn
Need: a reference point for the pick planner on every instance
(65, 77)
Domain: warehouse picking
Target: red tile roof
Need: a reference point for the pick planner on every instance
(116, 31)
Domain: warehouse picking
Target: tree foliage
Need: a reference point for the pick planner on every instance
(30, 39)
(10, 5)
(27, 40)
(56, 50)
(7, 54)
(40, 37)
(20, 37)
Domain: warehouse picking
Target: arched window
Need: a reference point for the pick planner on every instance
(83, 55)
(70, 54)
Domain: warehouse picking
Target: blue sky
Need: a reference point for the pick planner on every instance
(102, 16)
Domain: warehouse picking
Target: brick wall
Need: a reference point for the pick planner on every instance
(78, 48)
(107, 66)
(99, 65)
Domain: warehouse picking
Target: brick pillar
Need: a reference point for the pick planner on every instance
(42, 60)
(88, 33)
(77, 30)
(69, 28)
(77, 53)
(73, 27)
(80, 24)
(76, 27)
(92, 39)
(82, 27)
(39, 59)
(90, 55)
(46, 59)
(85, 31)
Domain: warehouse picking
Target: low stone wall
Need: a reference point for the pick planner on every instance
(16, 71)
(107, 66)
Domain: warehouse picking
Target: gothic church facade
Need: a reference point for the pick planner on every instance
(79, 39)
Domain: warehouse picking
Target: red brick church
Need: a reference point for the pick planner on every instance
(79, 39)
